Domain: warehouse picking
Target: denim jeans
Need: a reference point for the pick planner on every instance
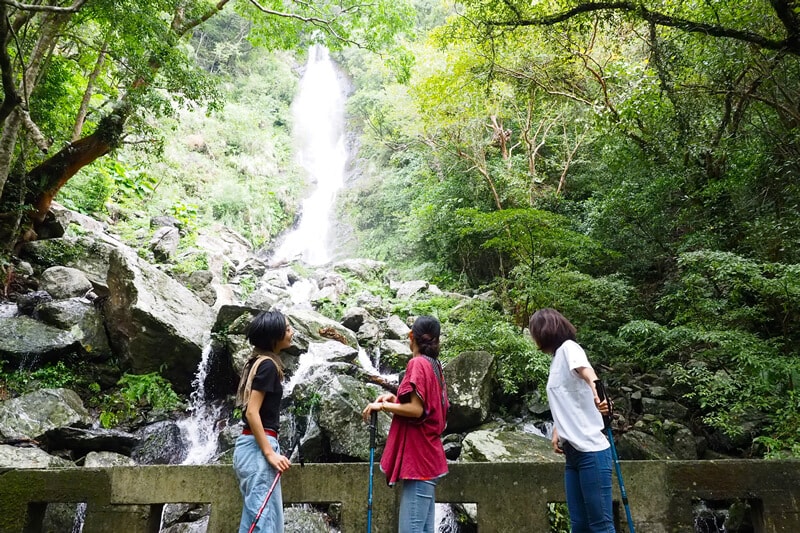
(418, 506)
(588, 485)
(255, 477)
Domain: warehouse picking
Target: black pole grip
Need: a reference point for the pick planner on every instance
(601, 393)
(373, 426)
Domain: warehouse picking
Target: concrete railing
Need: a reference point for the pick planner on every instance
(510, 497)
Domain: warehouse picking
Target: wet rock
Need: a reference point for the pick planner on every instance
(82, 320)
(160, 444)
(154, 322)
(82, 441)
(64, 282)
(498, 445)
(14, 457)
(32, 415)
(469, 380)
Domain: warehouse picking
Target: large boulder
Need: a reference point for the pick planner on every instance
(154, 322)
(82, 320)
(310, 326)
(14, 457)
(499, 445)
(30, 416)
(336, 402)
(30, 343)
(83, 440)
(642, 446)
(363, 269)
(469, 380)
(89, 254)
(64, 282)
(164, 243)
(160, 444)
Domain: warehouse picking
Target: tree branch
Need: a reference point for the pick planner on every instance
(783, 9)
(323, 23)
(74, 8)
(36, 133)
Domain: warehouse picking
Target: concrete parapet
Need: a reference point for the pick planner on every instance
(510, 497)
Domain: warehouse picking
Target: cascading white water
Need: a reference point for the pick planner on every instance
(199, 427)
(318, 112)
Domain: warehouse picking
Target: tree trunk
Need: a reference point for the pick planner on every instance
(57, 170)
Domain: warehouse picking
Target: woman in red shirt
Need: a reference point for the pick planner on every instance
(414, 451)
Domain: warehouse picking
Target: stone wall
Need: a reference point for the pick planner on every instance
(510, 497)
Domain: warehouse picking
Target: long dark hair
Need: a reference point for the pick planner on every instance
(426, 330)
(550, 329)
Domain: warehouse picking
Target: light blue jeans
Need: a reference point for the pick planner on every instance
(587, 479)
(418, 506)
(255, 477)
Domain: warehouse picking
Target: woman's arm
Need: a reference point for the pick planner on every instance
(588, 374)
(411, 409)
(279, 462)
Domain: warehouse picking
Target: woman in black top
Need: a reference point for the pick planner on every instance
(257, 457)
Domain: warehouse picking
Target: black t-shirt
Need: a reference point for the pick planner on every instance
(267, 381)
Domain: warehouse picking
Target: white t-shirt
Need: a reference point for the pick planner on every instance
(572, 402)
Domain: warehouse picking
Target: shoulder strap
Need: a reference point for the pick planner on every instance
(437, 371)
(250, 377)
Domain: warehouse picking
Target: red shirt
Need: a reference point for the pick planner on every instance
(414, 446)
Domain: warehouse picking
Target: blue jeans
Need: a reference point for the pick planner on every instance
(588, 485)
(255, 477)
(418, 506)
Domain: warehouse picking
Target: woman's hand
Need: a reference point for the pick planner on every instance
(374, 406)
(388, 397)
(604, 407)
(555, 442)
(279, 462)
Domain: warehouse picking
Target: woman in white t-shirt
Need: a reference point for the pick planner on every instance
(578, 433)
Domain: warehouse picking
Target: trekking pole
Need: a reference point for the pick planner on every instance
(601, 393)
(373, 426)
(272, 488)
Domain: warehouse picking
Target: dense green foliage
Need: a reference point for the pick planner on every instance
(633, 164)
(634, 171)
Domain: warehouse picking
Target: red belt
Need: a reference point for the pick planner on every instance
(270, 432)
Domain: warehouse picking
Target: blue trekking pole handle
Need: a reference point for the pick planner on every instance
(601, 393)
(373, 426)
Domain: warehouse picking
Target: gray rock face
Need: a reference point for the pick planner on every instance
(396, 328)
(408, 289)
(64, 282)
(311, 326)
(89, 254)
(30, 343)
(90, 440)
(13, 457)
(469, 387)
(364, 269)
(643, 446)
(154, 322)
(32, 415)
(160, 444)
(164, 243)
(339, 400)
(498, 445)
(82, 320)
(104, 459)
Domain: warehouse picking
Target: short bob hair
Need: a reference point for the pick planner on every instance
(550, 329)
(266, 330)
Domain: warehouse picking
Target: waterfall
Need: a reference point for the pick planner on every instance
(318, 113)
(198, 428)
